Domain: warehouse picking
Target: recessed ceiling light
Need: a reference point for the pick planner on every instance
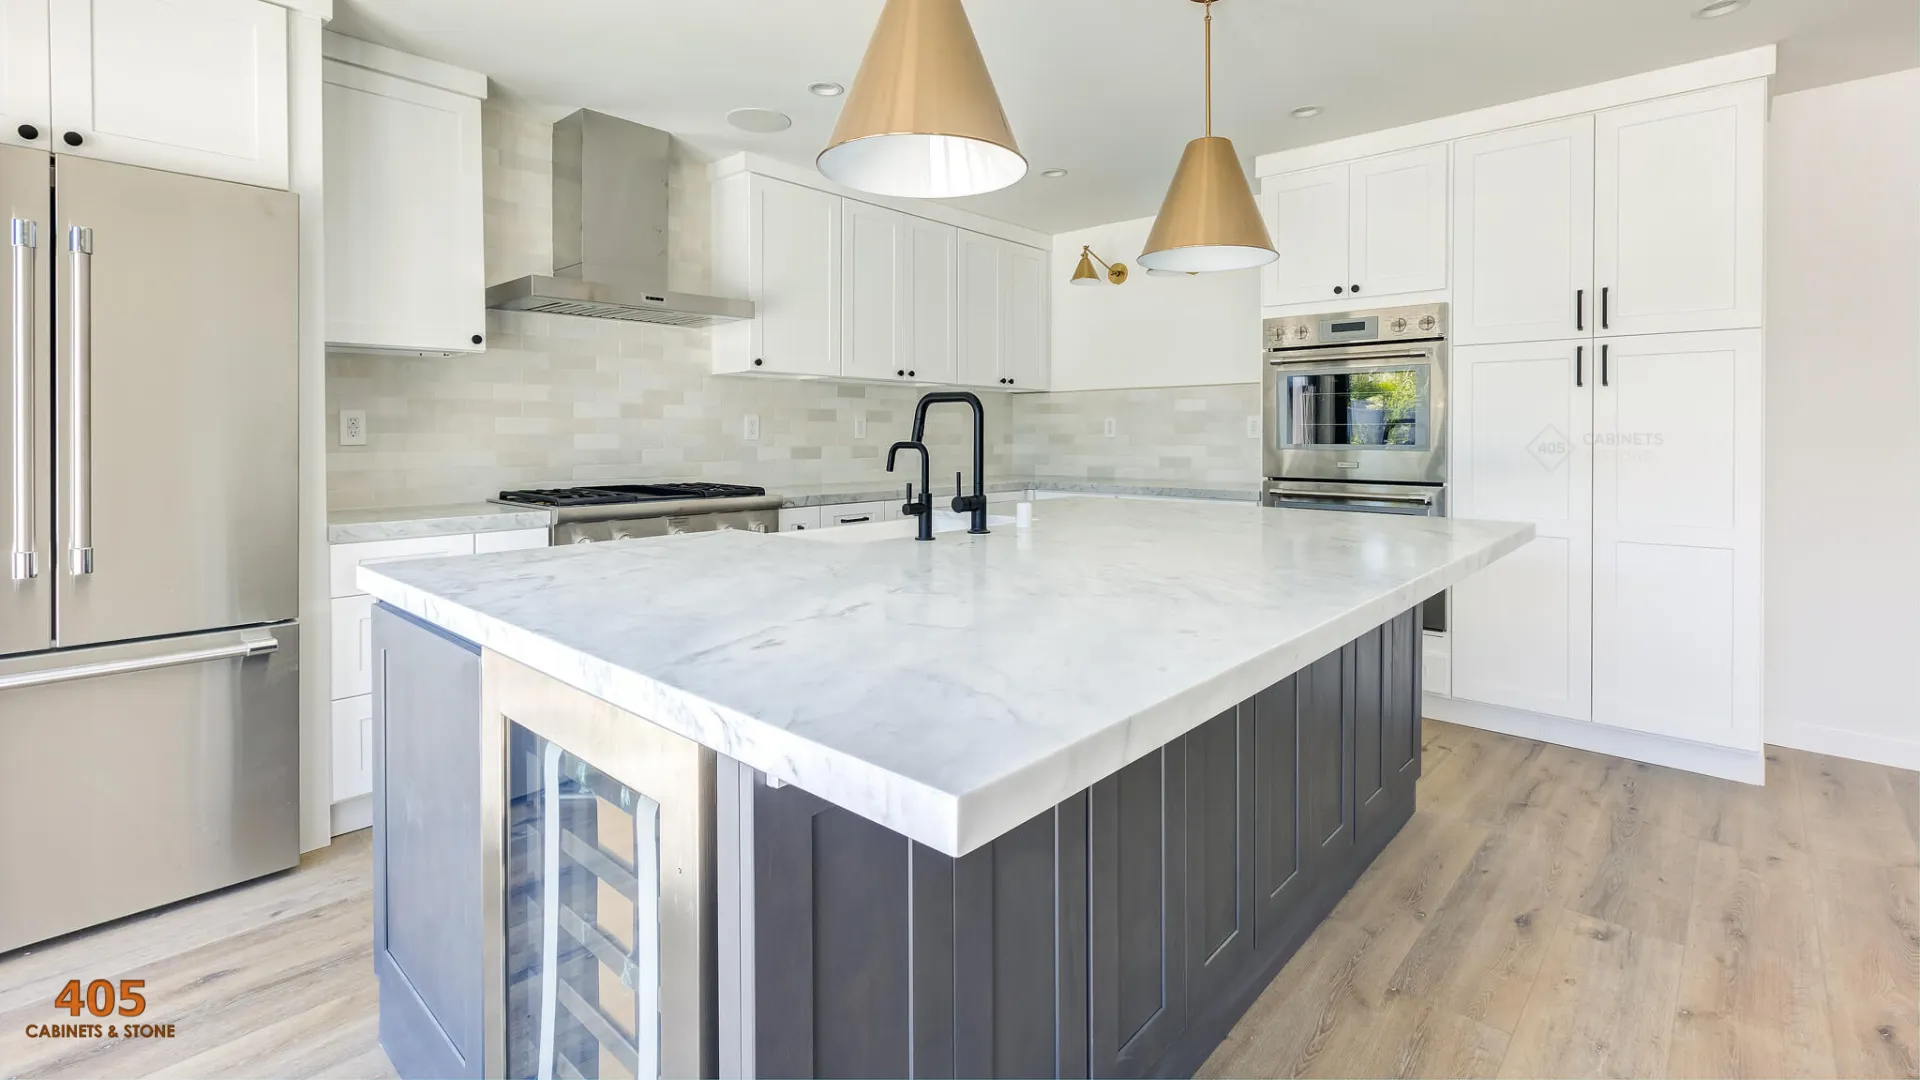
(1053, 174)
(1307, 111)
(1719, 8)
(759, 121)
(827, 89)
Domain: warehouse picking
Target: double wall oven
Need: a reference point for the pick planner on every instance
(1356, 415)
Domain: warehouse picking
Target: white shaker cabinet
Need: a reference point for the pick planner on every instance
(779, 244)
(1678, 222)
(1027, 356)
(188, 86)
(26, 114)
(1307, 219)
(1397, 223)
(1523, 234)
(1678, 505)
(875, 283)
(981, 297)
(933, 300)
(1520, 632)
(1373, 227)
(405, 262)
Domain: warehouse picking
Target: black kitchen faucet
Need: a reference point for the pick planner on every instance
(922, 507)
(976, 502)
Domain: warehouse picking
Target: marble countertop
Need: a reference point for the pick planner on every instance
(406, 522)
(950, 690)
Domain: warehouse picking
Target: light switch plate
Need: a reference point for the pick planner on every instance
(750, 427)
(1253, 427)
(353, 427)
(860, 425)
(1110, 428)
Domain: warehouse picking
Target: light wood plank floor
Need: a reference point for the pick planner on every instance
(1547, 912)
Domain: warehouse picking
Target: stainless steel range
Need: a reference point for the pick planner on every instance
(1356, 415)
(595, 512)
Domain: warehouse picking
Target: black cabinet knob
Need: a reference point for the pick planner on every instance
(477, 339)
(910, 374)
(757, 361)
(1354, 289)
(1337, 290)
(900, 371)
(72, 138)
(29, 132)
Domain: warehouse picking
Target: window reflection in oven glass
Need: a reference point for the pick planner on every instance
(1386, 408)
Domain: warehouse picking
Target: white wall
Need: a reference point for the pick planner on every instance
(1185, 331)
(1843, 420)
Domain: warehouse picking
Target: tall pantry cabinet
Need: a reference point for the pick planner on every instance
(1608, 383)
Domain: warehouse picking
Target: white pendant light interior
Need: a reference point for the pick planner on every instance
(913, 166)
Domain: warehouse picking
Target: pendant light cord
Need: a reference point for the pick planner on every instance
(1209, 4)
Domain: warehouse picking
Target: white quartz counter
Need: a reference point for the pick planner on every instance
(406, 522)
(950, 690)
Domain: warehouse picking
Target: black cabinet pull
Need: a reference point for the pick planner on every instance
(910, 374)
(1353, 288)
(1603, 308)
(477, 339)
(72, 138)
(757, 361)
(1579, 363)
(1579, 309)
(1603, 364)
(1009, 382)
(1337, 290)
(29, 132)
(902, 372)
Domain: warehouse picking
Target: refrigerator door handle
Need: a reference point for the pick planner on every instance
(25, 562)
(239, 650)
(80, 401)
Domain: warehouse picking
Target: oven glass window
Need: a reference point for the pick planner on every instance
(1388, 408)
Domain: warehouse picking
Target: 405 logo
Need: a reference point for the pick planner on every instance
(101, 998)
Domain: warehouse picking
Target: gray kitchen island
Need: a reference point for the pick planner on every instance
(1056, 801)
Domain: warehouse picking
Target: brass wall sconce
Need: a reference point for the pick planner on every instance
(1085, 274)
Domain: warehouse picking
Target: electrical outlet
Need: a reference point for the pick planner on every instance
(860, 425)
(1253, 427)
(1110, 428)
(750, 427)
(353, 427)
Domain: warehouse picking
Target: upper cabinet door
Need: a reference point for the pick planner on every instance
(23, 74)
(404, 255)
(1677, 211)
(933, 300)
(1307, 219)
(1028, 348)
(1523, 234)
(875, 337)
(982, 318)
(795, 279)
(1397, 219)
(1678, 508)
(188, 86)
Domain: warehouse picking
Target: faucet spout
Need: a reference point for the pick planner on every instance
(923, 507)
(976, 503)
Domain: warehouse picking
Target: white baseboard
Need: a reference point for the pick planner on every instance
(1841, 742)
(1746, 766)
(352, 815)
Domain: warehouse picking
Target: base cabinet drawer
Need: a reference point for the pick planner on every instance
(799, 518)
(509, 540)
(853, 514)
(345, 559)
(352, 652)
(352, 747)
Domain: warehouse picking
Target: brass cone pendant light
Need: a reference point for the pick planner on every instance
(922, 120)
(1209, 220)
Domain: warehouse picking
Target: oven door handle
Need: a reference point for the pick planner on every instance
(1322, 496)
(1347, 360)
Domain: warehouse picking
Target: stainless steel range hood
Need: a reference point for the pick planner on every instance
(610, 232)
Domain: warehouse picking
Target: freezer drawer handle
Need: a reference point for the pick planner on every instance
(80, 402)
(1322, 496)
(239, 650)
(25, 563)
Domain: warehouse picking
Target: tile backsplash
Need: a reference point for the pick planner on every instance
(566, 400)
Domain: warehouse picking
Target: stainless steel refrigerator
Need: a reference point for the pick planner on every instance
(149, 710)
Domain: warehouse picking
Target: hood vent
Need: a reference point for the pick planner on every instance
(610, 232)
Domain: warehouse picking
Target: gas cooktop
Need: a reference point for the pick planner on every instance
(624, 494)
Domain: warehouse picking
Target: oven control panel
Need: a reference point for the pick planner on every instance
(1420, 322)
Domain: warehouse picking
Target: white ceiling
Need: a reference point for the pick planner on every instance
(1111, 89)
